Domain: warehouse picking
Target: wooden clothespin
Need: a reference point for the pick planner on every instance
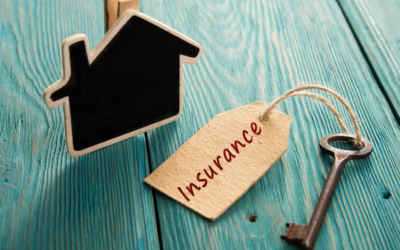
(114, 8)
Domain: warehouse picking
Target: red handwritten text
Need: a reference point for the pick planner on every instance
(228, 156)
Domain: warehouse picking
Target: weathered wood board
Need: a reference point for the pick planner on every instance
(255, 51)
(376, 25)
(49, 200)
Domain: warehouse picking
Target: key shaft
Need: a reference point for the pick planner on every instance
(306, 235)
(324, 202)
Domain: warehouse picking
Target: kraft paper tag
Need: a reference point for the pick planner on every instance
(216, 167)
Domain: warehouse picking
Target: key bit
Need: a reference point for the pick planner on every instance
(306, 235)
(295, 234)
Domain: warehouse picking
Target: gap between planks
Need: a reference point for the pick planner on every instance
(154, 194)
(371, 67)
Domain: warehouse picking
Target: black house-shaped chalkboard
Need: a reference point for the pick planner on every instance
(130, 83)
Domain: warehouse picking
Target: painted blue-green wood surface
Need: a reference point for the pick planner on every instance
(254, 50)
(49, 200)
(376, 25)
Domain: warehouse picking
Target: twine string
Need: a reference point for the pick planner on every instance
(290, 93)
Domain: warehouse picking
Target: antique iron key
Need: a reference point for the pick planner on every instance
(306, 235)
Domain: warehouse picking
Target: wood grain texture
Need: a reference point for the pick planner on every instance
(255, 51)
(49, 200)
(376, 25)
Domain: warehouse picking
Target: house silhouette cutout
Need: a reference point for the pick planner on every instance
(130, 83)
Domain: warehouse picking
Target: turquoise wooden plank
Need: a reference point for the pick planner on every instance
(376, 25)
(255, 51)
(49, 200)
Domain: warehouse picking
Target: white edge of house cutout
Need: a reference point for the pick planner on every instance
(92, 56)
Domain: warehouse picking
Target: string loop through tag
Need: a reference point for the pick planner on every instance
(290, 93)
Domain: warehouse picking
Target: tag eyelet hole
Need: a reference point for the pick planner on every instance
(260, 120)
